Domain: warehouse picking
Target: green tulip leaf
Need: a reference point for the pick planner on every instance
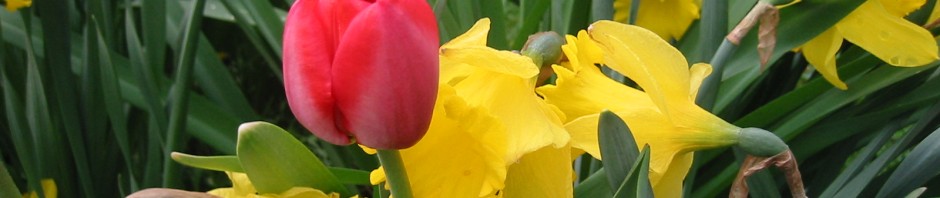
(275, 161)
(218, 163)
(617, 147)
(637, 184)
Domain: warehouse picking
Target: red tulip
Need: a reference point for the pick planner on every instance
(362, 70)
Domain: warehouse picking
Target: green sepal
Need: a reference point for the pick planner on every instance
(228, 163)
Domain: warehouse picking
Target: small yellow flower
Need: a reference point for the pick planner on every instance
(13, 5)
(242, 188)
(664, 115)
(48, 189)
(490, 134)
(879, 27)
(667, 18)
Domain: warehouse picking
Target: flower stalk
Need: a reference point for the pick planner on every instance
(395, 173)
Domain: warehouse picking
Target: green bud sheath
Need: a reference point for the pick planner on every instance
(760, 142)
(544, 48)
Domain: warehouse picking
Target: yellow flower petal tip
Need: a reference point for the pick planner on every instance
(13, 5)
(49, 190)
(669, 19)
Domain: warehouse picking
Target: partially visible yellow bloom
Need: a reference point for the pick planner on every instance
(48, 189)
(490, 134)
(242, 188)
(667, 18)
(879, 27)
(13, 5)
(664, 116)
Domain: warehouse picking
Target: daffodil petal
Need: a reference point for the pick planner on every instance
(546, 172)
(483, 57)
(475, 36)
(821, 53)
(901, 8)
(589, 92)
(697, 73)
(935, 13)
(669, 19)
(894, 40)
(656, 66)
(461, 155)
(531, 123)
(670, 184)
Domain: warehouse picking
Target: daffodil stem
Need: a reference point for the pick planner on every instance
(395, 173)
(708, 93)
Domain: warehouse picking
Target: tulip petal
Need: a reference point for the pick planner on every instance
(308, 56)
(656, 66)
(821, 53)
(461, 155)
(388, 50)
(895, 40)
(546, 172)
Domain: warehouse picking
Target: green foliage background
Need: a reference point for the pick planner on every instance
(92, 94)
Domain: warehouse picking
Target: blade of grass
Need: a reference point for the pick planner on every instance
(114, 106)
(153, 17)
(864, 178)
(243, 22)
(863, 156)
(269, 23)
(19, 131)
(7, 187)
(179, 94)
(210, 73)
(531, 15)
(916, 169)
(493, 9)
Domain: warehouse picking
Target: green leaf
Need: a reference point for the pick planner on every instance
(798, 24)
(228, 163)
(917, 168)
(531, 15)
(595, 185)
(637, 184)
(113, 104)
(860, 181)
(7, 187)
(179, 94)
(264, 150)
(617, 147)
(351, 176)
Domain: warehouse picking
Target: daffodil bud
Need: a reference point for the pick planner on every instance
(544, 48)
(760, 142)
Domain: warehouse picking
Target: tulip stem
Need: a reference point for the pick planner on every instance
(395, 173)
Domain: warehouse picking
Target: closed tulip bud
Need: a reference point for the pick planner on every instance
(364, 71)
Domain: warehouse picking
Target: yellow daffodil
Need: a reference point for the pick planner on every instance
(879, 27)
(490, 134)
(49, 190)
(242, 188)
(667, 18)
(664, 115)
(13, 5)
